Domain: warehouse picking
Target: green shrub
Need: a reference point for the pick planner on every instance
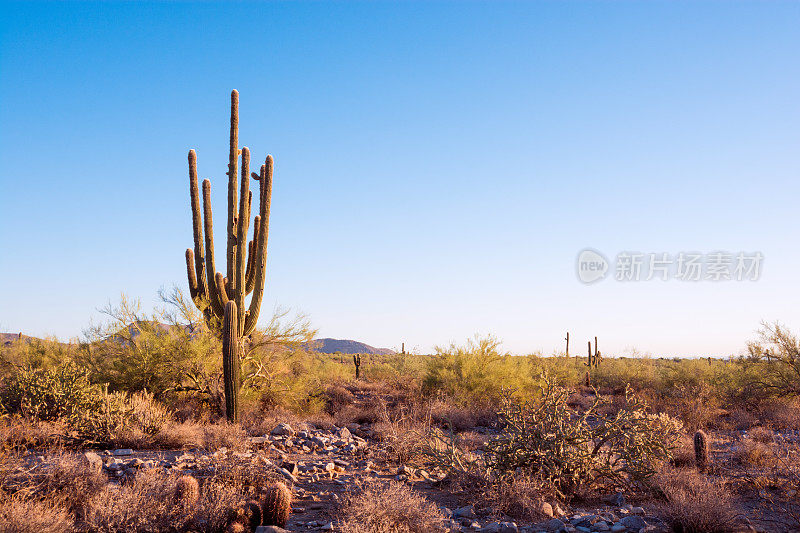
(49, 394)
(474, 373)
(583, 452)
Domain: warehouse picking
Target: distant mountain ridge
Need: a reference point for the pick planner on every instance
(328, 345)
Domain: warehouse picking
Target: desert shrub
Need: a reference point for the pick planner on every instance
(122, 419)
(25, 515)
(49, 394)
(696, 404)
(695, 504)
(580, 452)
(147, 504)
(474, 373)
(88, 412)
(781, 414)
(388, 507)
(31, 352)
(752, 452)
(337, 397)
(518, 497)
(160, 351)
(63, 479)
(779, 352)
(18, 433)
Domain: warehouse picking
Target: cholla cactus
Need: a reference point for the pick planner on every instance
(701, 450)
(276, 505)
(187, 491)
(246, 261)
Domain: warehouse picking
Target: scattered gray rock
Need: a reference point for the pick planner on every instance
(288, 475)
(282, 429)
(468, 511)
(555, 525)
(270, 529)
(122, 452)
(93, 462)
(617, 500)
(633, 522)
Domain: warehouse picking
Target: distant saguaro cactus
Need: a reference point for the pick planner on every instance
(222, 298)
(593, 360)
(357, 362)
(567, 339)
(276, 506)
(701, 450)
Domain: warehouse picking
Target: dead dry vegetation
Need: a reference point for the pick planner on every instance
(519, 439)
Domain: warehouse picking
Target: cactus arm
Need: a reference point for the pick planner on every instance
(193, 289)
(221, 291)
(232, 175)
(241, 240)
(249, 267)
(265, 191)
(231, 364)
(197, 228)
(217, 305)
(250, 278)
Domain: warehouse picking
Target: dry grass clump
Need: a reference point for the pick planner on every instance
(751, 452)
(518, 497)
(695, 504)
(21, 433)
(762, 434)
(242, 475)
(64, 480)
(459, 418)
(148, 504)
(337, 397)
(388, 507)
(683, 453)
(25, 515)
(197, 435)
(781, 415)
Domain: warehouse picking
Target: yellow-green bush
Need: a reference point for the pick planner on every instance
(476, 372)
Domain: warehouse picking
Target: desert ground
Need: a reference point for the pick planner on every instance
(101, 435)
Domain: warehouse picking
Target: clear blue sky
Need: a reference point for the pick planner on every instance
(438, 166)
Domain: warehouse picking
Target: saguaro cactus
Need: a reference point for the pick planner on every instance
(222, 298)
(593, 359)
(357, 362)
(567, 339)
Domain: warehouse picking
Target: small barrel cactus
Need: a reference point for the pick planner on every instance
(187, 491)
(235, 527)
(701, 451)
(252, 514)
(276, 505)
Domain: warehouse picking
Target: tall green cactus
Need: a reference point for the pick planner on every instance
(222, 298)
(357, 363)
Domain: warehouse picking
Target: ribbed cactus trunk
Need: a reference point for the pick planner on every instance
(231, 361)
(701, 451)
(357, 363)
(222, 298)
